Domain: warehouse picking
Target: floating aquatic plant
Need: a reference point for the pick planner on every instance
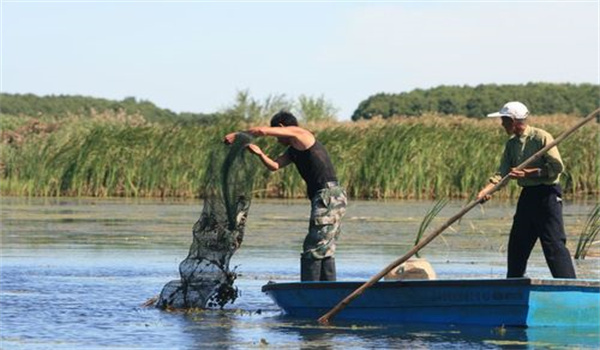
(431, 214)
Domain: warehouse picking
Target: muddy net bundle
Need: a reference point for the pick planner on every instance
(206, 278)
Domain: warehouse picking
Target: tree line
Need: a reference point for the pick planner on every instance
(541, 98)
(58, 106)
(243, 108)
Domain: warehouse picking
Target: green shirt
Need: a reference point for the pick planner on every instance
(520, 148)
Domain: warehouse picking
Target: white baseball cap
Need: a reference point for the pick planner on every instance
(513, 109)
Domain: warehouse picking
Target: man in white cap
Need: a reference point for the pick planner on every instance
(539, 210)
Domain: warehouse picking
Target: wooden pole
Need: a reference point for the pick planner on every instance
(341, 305)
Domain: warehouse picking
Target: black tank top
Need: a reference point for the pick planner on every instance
(314, 166)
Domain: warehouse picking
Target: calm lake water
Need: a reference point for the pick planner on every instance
(75, 273)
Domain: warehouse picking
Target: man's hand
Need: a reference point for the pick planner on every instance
(254, 149)
(527, 172)
(229, 138)
(484, 195)
(516, 174)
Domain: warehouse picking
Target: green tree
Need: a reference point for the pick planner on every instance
(252, 111)
(541, 98)
(315, 109)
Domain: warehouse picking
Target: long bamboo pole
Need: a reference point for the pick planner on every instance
(341, 305)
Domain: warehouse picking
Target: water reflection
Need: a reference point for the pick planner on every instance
(209, 329)
(382, 336)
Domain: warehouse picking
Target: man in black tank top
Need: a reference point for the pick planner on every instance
(328, 198)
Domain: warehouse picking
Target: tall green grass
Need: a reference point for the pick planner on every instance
(418, 158)
(588, 235)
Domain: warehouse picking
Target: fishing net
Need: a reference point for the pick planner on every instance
(206, 279)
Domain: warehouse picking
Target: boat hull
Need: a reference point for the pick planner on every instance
(493, 302)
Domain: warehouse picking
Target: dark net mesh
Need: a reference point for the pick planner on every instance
(206, 279)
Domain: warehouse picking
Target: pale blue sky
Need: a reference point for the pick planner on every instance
(194, 56)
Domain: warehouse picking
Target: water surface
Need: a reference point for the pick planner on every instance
(75, 273)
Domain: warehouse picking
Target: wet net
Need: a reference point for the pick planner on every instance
(206, 278)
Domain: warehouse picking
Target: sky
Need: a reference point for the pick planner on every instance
(195, 56)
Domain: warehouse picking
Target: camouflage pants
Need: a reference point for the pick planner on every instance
(328, 207)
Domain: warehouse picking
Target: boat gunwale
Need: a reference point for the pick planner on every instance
(526, 282)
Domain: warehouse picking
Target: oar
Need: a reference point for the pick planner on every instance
(341, 305)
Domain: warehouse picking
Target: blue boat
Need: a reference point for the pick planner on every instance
(520, 302)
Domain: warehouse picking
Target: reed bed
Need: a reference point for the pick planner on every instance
(419, 158)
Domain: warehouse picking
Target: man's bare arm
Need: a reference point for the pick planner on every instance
(273, 165)
(300, 138)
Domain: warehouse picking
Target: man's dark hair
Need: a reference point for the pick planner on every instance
(284, 118)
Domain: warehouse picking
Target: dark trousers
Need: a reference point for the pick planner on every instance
(539, 215)
(317, 269)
